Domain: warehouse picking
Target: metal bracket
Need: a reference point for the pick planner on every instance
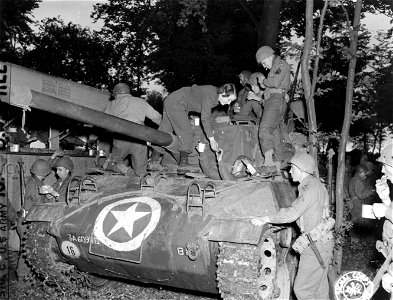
(198, 198)
(151, 180)
(86, 183)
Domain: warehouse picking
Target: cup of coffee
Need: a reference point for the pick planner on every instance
(201, 147)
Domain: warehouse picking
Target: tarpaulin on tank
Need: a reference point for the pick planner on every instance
(236, 140)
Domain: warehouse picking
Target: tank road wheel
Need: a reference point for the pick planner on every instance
(248, 272)
(44, 262)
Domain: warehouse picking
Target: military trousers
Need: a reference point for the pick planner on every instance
(175, 119)
(136, 149)
(273, 114)
(311, 281)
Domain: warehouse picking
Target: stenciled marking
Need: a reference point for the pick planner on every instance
(70, 249)
(126, 219)
(353, 285)
(82, 239)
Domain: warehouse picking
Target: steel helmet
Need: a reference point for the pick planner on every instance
(256, 79)
(65, 162)
(40, 167)
(245, 73)
(121, 88)
(304, 161)
(361, 168)
(263, 52)
(387, 155)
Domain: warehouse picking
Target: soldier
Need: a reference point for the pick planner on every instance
(311, 213)
(243, 107)
(64, 168)
(275, 104)
(384, 190)
(133, 109)
(360, 193)
(177, 105)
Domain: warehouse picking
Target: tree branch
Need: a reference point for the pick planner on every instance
(244, 5)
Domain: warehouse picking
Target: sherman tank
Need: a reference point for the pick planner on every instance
(190, 231)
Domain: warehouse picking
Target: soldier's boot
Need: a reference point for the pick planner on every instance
(154, 162)
(125, 170)
(185, 166)
(269, 167)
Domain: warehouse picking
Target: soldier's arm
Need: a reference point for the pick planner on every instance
(206, 114)
(276, 76)
(152, 114)
(298, 207)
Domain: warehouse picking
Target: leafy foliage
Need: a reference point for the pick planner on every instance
(15, 33)
(74, 53)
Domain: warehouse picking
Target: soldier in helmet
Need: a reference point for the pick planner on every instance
(242, 107)
(133, 109)
(39, 171)
(177, 105)
(64, 168)
(311, 213)
(277, 84)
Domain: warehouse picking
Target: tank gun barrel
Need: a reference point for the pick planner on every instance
(100, 119)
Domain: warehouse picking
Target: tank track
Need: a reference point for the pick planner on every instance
(244, 273)
(45, 264)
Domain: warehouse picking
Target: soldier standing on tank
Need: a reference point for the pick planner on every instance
(133, 109)
(177, 105)
(275, 104)
(310, 211)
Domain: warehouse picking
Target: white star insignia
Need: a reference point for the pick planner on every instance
(126, 219)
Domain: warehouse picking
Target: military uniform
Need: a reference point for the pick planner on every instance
(135, 110)
(248, 108)
(277, 84)
(309, 210)
(177, 105)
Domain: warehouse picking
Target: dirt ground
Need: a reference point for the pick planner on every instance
(362, 257)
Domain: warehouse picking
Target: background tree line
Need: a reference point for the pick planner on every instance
(180, 42)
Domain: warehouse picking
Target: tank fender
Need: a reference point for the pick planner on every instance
(46, 212)
(235, 231)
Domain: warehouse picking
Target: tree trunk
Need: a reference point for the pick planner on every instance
(345, 131)
(269, 24)
(305, 61)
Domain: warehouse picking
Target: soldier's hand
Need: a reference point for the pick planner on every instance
(383, 191)
(379, 210)
(58, 153)
(387, 282)
(213, 144)
(260, 221)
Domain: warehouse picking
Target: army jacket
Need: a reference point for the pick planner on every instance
(32, 195)
(201, 99)
(132, 109)
(312, 200)
(279, 75)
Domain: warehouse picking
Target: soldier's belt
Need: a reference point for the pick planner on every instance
(274, 90)
(322, 232)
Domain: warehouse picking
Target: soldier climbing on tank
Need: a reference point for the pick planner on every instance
(177, 105)
(311, 213)
(133, 109)
(242, 107)
(275, 103)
